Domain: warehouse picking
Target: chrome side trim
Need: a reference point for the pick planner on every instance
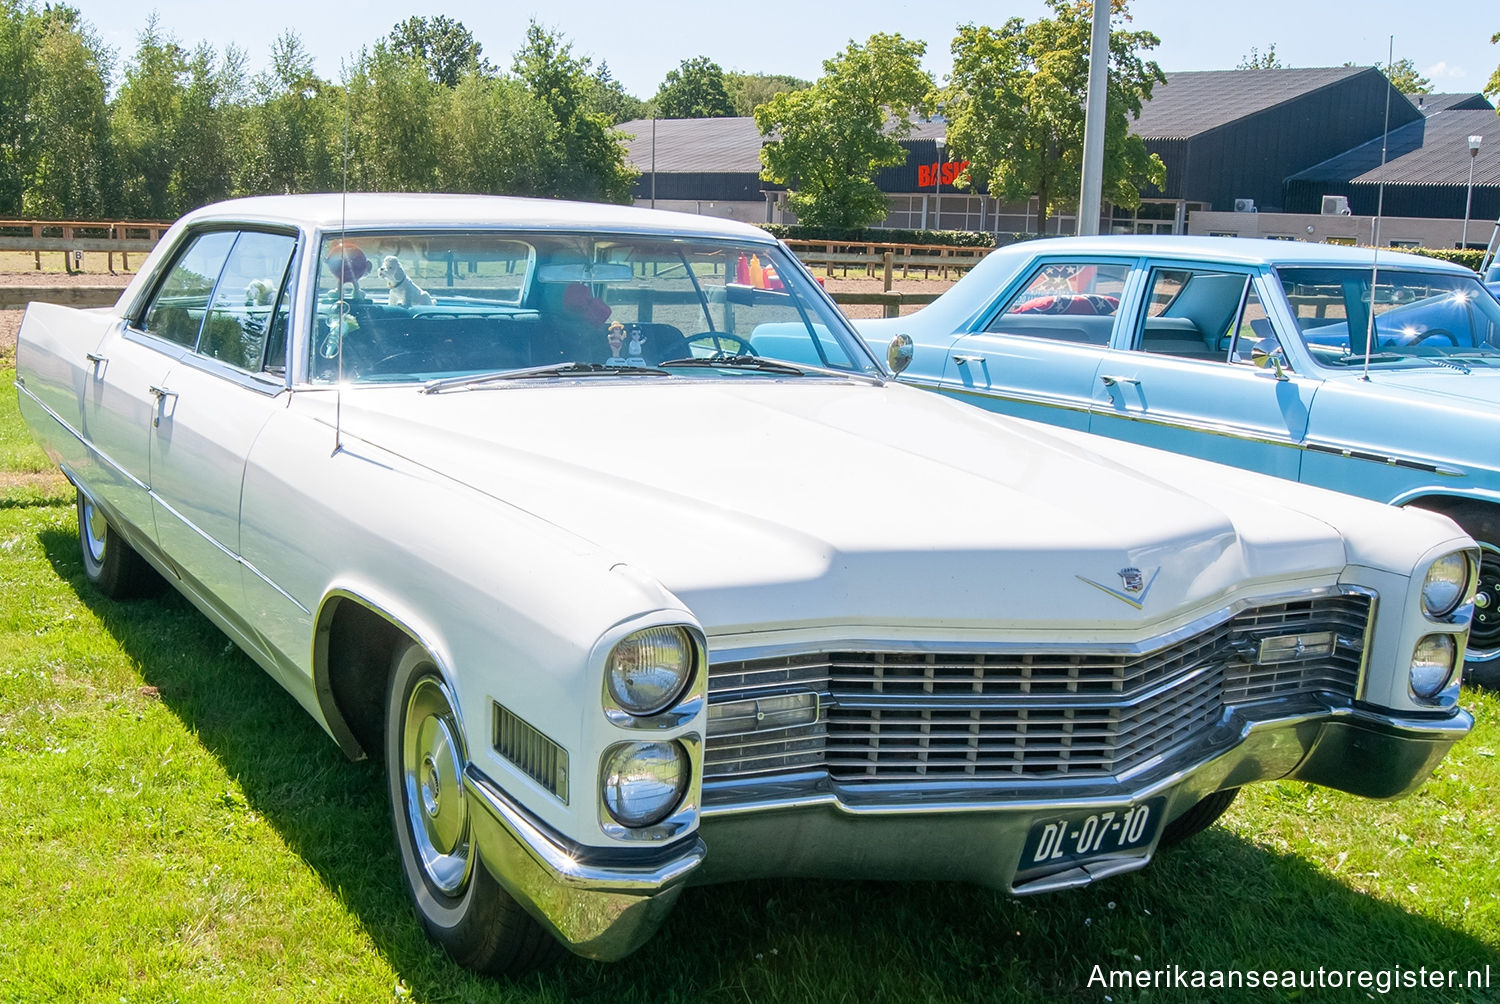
(234, 556)
(1140, 647)
(100, 454)
(1210, 428)
(1388, 460)
(110, 462)
(1055, 403)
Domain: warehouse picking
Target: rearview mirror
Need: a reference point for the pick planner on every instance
(898, 354)
(598, 271)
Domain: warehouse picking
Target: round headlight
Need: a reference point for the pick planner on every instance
(1446, 585)
(1432, 665)
(643, 782)
(648, 669)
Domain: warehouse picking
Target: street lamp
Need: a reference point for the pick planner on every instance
(1474, 142)
(937, 185)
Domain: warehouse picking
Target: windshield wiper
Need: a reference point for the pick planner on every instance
(738, 362)
(553, 369)
(1376, 357)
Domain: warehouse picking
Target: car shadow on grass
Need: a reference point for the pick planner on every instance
(1221, 902)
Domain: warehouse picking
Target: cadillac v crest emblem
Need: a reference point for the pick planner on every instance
(1135, 585)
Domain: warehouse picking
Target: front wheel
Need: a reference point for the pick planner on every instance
(460, 904)
(1199, 818)
(112, 566)
(1482, 522)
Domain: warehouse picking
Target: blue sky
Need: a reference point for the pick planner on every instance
(641, 42)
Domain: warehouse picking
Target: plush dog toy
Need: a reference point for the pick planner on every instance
(259, 293)
(404, 292)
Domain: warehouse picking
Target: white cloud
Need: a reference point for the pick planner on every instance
(1442, 71)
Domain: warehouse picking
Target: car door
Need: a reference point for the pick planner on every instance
(1038, 354)
(211, 406)
(1183, 379)
(130, 368)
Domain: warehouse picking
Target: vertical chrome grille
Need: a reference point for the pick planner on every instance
(889, 716)
(541, 759)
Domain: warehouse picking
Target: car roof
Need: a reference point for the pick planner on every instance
(1234, 250)
(366, 211)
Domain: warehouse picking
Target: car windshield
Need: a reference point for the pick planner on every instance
(436, 307)
(1420, 318)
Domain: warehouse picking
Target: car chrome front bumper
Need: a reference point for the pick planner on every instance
(600, 907)
(604, 907)
(828, 830)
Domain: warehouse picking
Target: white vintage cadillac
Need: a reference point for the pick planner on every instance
(604, 531)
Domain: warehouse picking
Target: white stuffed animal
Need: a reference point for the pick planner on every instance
(259, 293)
(404, 292)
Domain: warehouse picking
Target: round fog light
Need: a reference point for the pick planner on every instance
(642, 783)
(1446, 584)
(1432, 665)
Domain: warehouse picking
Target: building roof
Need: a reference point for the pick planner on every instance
(1430, 104)
(1432, 151)
(729, 145)
(686, 146)
(1195, 102)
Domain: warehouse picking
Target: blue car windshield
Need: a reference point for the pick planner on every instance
(434, 306)
(1419, 318)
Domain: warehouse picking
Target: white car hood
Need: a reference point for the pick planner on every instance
(858, 504)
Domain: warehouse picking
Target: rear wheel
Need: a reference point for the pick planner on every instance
(460, 904)
(1482, 522)
(112, 566)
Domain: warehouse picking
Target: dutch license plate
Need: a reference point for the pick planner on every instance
(1076, 837)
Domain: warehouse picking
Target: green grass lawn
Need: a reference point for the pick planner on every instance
(176, 828)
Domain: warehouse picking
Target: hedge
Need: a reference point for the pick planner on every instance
(1472, 257)
(879, 235)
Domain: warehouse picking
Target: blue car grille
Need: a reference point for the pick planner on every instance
(887, 716)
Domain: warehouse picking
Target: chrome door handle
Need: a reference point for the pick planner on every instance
(96, 361)
(161, 394)
(1110, 381)
(968, 360)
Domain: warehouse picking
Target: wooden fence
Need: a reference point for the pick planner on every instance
(67, 237)
(874, 258)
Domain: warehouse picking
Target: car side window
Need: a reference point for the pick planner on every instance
(1252, 327)
(245, 299)
(1072, 301)
(176, 311)
(1191, 313)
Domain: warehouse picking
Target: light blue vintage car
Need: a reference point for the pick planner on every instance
(1268, 355)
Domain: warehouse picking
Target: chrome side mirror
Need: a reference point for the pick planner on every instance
(898, 354)
(1266, 354)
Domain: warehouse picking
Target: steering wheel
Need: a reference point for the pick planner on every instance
(1422, 337)
(405, 356)
(718, 343)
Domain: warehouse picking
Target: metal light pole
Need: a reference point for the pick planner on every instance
(1474, 142)
(937, 186)
(1091, 189)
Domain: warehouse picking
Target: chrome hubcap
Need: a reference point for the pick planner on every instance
(93, 528)
(437, 813)
(1484, 633)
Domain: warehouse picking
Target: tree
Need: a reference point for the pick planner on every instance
(394, 109)
(1493, 86)
(585, 159)
(695, 90)
(494, 138)
(68, 163)
(830, 139)
(1258, 60)
(748, 91)
(607, 97)
(1015, 108)
(293, 132)
(444, 46)
(174, 125)
(1404, 76)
